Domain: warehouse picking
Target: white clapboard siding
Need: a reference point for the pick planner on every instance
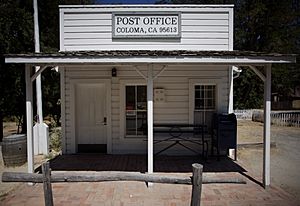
(88, 16)
(143, 42)
(204, 22)
(184, 28)
(107, 16)
(174, 80)
(185, 35)
(108, 22)
(99, 28)
(85, 29)
(88, 22)
(205, 16)
(145, 47)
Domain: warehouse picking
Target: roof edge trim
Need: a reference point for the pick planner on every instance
(150, 6)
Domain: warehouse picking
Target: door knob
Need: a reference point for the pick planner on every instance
(104, 121)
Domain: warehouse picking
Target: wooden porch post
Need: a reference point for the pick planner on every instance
(29, 118)
(150, 117)
(267, 125)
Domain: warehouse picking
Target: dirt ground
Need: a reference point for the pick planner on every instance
(285, 156)
(9, 129)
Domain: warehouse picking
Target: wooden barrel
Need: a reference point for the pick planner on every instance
(14, 150)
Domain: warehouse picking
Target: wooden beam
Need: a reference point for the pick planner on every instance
(38, 72)
(139, 72)
(267, 126)
(258, 73)
(161, 71)
(47, 184)
(197, 184)
(104, 176)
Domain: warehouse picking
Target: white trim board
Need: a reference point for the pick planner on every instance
(233, 61)
(151, 6)
(63, 109)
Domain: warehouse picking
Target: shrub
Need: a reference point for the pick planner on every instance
(55, 139)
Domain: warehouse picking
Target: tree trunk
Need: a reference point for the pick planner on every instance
(24, 128)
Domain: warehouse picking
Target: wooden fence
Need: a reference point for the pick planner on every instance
(280, 118)
(245, 114)
(286, 118)
(47, 178)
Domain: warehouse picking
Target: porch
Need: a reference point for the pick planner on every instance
(138, 163)
(137, 193)
(149, 65)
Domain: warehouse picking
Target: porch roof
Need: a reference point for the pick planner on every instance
(153, 56)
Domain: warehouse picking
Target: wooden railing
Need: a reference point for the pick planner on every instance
(47, 178)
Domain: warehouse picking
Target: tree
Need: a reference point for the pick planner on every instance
(262, 26)
(266, 26)
(16, 36)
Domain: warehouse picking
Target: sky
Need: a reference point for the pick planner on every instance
(126, 1)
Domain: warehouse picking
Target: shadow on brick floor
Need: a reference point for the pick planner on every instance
(138, 163)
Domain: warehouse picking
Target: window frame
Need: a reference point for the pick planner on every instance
(204, 109)
(123, 84)
(195, 82)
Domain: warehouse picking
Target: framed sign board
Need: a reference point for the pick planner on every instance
(146, 25)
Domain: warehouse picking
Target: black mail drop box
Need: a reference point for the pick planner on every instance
(224, 133)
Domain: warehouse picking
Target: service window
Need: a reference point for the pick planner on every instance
(136, 111)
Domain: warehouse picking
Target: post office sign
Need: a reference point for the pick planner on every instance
(146, 25)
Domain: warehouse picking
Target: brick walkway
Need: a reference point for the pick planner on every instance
(137, 193)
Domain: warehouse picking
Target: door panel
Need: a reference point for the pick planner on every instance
(90, 111)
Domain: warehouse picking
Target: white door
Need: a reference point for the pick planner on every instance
(90, 116)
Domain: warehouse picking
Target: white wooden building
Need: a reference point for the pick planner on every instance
(125, 67)
(104, 28)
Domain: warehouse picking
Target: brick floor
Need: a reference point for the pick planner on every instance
(137, 193)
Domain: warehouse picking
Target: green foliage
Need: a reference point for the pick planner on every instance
(266, 26)
(263, 26)
(51, 95)
(55, 139)
(248, 91)
(16, 36)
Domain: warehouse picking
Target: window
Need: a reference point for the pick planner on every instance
(204, 104)
(136, 111)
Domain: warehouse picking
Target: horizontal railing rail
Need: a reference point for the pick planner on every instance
(57, 177)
